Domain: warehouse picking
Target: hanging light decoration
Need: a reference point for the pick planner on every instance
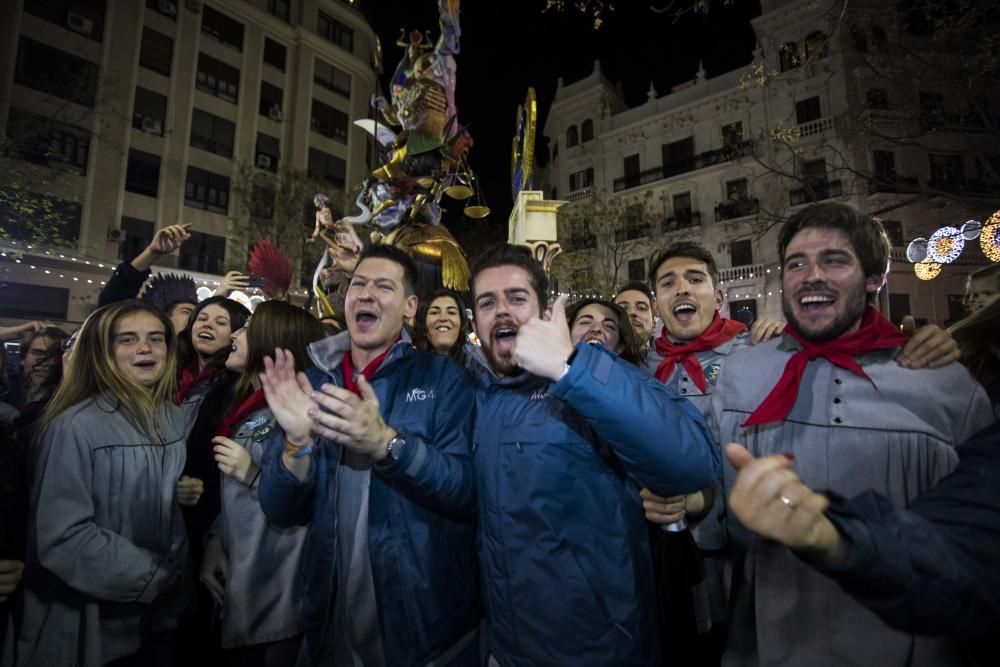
(917, 250)
(945, 245)
(989, 240)
(927, 270)
(971, 229)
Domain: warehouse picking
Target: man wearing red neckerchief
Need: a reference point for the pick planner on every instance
(830, 394)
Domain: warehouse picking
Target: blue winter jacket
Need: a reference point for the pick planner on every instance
(423, 564)
(563, 540)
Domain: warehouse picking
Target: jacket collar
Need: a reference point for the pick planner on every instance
(327, 353)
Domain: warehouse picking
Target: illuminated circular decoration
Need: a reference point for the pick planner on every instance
(240, 298)
(926, 270)
(971, 229)
(204, 292)
(917, 250)
(255, 301)
(989, 240)
(945, 245)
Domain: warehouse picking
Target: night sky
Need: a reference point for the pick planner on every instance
(508, 46)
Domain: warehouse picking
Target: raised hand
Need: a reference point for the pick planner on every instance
(352, 421)
(928, 347)
(233, 459)
(543, 345)
(288, 397)
(233, 280)
(170, 238)
(770, 499)
(189, 490)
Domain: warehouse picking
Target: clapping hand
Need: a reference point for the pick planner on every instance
(543, 345)
(288, 396)
(351, 420)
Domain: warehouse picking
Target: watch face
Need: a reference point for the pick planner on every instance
(396, 447)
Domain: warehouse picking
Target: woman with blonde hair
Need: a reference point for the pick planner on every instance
(106, 543)
(251, 567)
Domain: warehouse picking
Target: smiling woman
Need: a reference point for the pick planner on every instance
(441, 325)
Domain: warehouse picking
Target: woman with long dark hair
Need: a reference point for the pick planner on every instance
(441, 326)
(106, 544)
(252, 567)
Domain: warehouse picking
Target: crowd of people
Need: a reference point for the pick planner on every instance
(635, 481)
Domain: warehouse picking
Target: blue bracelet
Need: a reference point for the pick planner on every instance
(305, 451)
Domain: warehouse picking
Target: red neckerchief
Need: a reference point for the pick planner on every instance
(253, 402)
(718, 332)
(347, 368)
(190, 380)
(876, 333)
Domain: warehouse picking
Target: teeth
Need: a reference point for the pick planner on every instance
(815, 299)
(685, 307)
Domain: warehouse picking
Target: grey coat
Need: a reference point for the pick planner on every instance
(105, 536)
(896, 437)
(263, 593)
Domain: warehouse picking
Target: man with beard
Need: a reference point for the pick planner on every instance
(373, 455)
(829, 395)
(562, 432)
(637, 301)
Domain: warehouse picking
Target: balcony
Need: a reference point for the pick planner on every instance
(894, 183)
(632, 232)
(694, 163)
(738, 208)
(815, 127)
(883, 118)
(817, 191)
(681, 219)
(581, 194)
(745, 272)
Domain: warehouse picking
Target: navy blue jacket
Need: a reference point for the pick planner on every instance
(563, 540)
(423, 563)
(933, 568)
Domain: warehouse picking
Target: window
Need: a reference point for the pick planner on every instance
(899, 307)
(744, 311)
(931, 110)
(581, 179)
(329, 122)
(807, 110)
(858, 38)
(143, 175)
(262, 202)
(33, 302)
(203, 252)
(587, 131)
(679, 153)
(274, 54)
(268, 152)
(877, 98)
(637, 269)
(149, 113)
(278, 8)
(166, 8)
(156, 52)
(221, 28)
(788, 56)
(217, 78)
(334, 31)
(737, 190)
(885, 166)
(56, 72)
(894, 230)
(814, 171)
(206, 190)
(732, 134)
(44, 141)
(327, 167)
(947, 171)
(211, 133)
(138, 235)
(741, 253)
(331, 78)
(85, 17)
(270, 101)
(632, 167)
(572, 137)
(20, 221)
(682, 208)
(880, 39)
(815, 46)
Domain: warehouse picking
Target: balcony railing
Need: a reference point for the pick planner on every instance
(681, 219)
(894, 183)
(582, 193)
(745, 272)
(818, 191)
(884, 117)
(700, 161)
(814, 127)
(737, 209)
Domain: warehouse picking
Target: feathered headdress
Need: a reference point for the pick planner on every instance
(267, 261)
(166, 289)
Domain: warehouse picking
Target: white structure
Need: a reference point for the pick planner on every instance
(723, 161)
(155, 102)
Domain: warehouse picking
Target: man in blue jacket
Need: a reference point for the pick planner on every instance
(565, 436)
(373, 455)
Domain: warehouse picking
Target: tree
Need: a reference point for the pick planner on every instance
(598, 236)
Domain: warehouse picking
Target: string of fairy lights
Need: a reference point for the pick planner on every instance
(945, 245)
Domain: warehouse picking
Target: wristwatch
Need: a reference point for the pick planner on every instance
(393, 450)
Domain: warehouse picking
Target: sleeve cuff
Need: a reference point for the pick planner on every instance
(166, 571)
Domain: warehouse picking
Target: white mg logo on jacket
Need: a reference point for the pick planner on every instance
(418, 394)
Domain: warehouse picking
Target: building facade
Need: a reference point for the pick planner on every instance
(154, 108)
(835, 106)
